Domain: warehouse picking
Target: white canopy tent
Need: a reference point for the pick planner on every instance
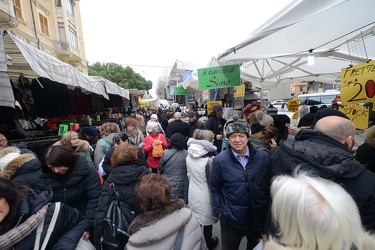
(32, 62)
(179, 68)
(340, 33)
(112, 88)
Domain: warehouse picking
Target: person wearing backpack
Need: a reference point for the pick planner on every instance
(109, 129)
(124, 177)
(154, 145)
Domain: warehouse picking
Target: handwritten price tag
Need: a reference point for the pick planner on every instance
(358, 84)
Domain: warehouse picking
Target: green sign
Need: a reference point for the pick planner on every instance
(181, 91)
(219, 77)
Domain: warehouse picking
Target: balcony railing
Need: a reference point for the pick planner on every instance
(61, 45)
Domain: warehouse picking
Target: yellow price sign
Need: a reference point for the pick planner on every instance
(293, 105)
(212, 103)
(358, 115)
(295, 116)
(357, 83)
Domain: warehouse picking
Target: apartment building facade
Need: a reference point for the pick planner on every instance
(53, 26)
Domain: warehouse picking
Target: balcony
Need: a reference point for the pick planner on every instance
(66, 53)
(7, 17)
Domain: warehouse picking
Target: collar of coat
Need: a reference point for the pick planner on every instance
(11, 167)
(83, 145)
(151, 216)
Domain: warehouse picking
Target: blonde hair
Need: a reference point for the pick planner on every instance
(67, 137)
(314, 213)
(203, 134)
(140, 119)
(109, 128)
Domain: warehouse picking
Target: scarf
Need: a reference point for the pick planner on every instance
(19, 232)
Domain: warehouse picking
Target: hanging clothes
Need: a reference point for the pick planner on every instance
(52, 99)
(114, 101)
(23, 94)
(80, 102)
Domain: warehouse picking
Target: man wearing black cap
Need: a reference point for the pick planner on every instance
(324, 151)
(194, 123)
(215, 123)
(232, 176)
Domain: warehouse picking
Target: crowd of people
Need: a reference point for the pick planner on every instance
(180, 177)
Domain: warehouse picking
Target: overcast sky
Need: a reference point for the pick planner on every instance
(155, 33)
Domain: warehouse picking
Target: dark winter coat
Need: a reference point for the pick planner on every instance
(125, 178)
(66, 233)
(23, 169)
(193, 126)
(177, 126)
(79, 188)
(173, 166)
(321, 155)
(215, 124)
(231, 184)
(366, 155)
(306, 120)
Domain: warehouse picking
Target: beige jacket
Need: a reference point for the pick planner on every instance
(158, 229)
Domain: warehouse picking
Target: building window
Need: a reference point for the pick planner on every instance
(70, 7)
(61, 28)
(43, 24)
(58, 3)
(301, 89)
(73, 38)
(17, 8)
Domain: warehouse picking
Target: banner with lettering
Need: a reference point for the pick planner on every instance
(219, 77)
(358, 83)
(358, 115)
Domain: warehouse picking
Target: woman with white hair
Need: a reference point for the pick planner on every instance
(153, 140)
(313, 213)
(154, 118)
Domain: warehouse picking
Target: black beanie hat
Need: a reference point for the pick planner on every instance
(178, 141)
(327, 112)
(90, 131)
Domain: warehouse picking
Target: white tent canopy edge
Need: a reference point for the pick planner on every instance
(44, 65)
(277, 51)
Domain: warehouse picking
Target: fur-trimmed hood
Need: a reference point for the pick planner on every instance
(11, 167)
(83, 145)
(150, 217)
(370, 136)
(199, 148)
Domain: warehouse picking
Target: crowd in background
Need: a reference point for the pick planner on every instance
(180, 175)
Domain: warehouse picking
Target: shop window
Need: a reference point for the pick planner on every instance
(18, 9)
(43, 24)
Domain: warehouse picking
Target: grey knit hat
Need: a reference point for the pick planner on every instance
(239, 126)
(263, 119)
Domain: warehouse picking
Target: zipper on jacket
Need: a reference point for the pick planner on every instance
(64, 193)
